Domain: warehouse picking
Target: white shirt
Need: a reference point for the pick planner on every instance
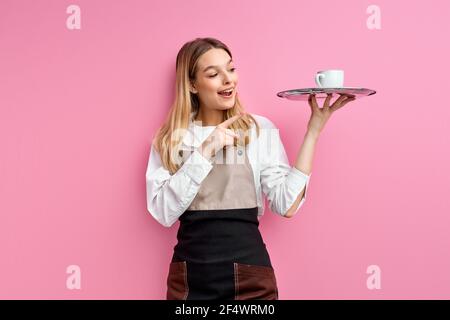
(168, 196)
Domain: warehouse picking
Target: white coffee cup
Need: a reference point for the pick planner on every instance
(330, 79)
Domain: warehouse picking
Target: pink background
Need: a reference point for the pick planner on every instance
(79, 109)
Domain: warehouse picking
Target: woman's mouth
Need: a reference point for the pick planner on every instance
(226, 94)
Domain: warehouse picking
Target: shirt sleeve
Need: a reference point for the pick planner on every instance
(280, 182)
(168, 196)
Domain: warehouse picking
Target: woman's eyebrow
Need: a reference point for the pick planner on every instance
(208, 67)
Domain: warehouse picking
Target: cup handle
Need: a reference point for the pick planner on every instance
(318, 76)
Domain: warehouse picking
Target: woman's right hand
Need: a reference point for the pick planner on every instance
(219, 138)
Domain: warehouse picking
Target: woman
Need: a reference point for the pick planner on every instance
(209, 164)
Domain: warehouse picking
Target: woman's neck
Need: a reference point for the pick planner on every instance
(210, 117)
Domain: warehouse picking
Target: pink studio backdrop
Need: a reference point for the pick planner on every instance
(79, 108)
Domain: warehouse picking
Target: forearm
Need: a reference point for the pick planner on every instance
(303, 163)
(305, 155)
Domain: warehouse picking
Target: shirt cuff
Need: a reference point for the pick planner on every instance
(297, 179)
(197, 166)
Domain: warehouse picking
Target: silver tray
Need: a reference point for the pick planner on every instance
(321, 93)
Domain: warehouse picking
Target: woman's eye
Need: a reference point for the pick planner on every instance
(212, 76)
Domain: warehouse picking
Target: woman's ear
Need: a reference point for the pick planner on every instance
(192, 88)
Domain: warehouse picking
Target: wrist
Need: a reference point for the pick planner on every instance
(312, 133)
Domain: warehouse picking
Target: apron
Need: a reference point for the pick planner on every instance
(220, 253)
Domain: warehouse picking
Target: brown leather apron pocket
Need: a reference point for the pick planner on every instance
(253, 282)
(177, 285)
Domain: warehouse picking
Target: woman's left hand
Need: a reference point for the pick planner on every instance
(319, 116)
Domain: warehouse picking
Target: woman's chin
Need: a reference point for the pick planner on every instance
(227, 107)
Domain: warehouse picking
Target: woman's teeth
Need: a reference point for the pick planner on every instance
(226, 93)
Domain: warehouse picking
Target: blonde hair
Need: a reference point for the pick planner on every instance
(168, 137)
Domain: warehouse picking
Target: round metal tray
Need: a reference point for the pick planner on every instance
(321, 93)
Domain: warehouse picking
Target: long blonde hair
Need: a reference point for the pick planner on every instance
(168, 137)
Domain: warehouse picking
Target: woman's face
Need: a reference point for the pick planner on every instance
(215, 73)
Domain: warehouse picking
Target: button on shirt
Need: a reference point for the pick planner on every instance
(169, 196)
